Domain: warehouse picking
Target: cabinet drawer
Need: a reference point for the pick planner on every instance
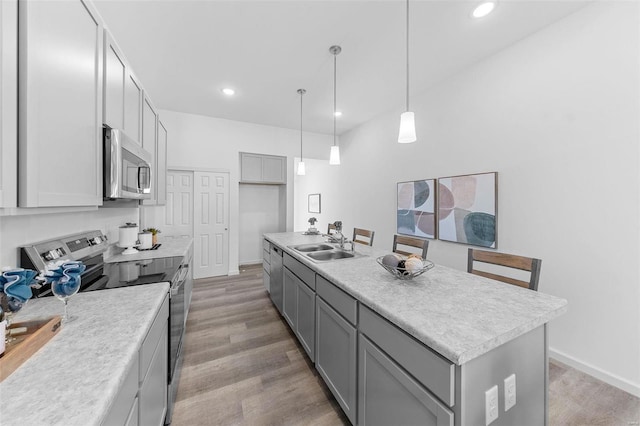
(346, 305)
(431, 369)
(266, 245)
(305, 273)
(153, 337)
(266, 256)
(266, 266)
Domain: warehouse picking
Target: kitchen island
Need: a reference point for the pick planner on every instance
(473, 332)
(77, 377)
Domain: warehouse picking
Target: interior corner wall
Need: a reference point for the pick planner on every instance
(557, 116)
(196, 141)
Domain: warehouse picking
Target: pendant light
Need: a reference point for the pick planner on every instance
(334, 157)
(407, 132)
(301, 168)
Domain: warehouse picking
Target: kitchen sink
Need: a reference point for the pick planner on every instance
(331, 255)
(305, 248)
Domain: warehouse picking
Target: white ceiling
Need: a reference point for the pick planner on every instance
(185, 51)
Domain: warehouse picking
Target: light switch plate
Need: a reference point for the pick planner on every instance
(509, 392)
(491, 404)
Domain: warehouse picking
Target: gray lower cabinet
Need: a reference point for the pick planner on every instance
(276, 277)
(132, 420)
(390, 396)
(152, 397)
(336, 356)
(298, 309)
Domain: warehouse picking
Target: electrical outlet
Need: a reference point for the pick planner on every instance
(509, 392)
(491, 404)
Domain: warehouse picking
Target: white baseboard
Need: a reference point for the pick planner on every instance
(612, 379)
(234, 272)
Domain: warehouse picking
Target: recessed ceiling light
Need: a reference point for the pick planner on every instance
(483, 9)
(229, 92)
(338, 113)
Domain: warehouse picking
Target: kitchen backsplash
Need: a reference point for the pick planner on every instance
(19, 230)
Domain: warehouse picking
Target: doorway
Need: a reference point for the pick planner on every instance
(198, 207)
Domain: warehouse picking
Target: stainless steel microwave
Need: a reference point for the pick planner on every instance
(127, 167)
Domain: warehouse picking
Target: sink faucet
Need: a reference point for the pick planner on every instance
(339, 237)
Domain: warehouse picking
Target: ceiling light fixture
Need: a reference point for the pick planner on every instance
(407, 133)
(229, 92)
(338, 114)
(301, 168)
(483, 9)
(334, 157)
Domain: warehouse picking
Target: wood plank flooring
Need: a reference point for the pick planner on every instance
(243, 366)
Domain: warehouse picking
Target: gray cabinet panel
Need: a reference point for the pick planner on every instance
(8, 102)
(306, 274)
(434, 371)
(276, 277)
(121, 408)
(266, 280)
(115, 73)
(389, 396)
(261, 168)
(150, 343)
(289, 298)
(132, 420)
(336, 343)
(161, 170)
(273, 169)
(60, 104)
(346, 305)
(152, 397)
(306, 321)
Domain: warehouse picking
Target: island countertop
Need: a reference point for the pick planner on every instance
(459, 315)
(75, 377)
(169, 247)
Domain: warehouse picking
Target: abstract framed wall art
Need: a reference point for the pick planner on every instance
(416, 215)
(467, 209)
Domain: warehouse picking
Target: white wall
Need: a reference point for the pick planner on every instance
(19, 230)
(557, 115)
(260, 212)
(320, 178)
(214, 143)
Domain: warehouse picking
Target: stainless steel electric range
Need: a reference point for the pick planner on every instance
(89, 247)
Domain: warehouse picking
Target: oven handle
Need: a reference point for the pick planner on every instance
(184, 270)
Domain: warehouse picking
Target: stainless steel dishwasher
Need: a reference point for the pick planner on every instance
(277, 277)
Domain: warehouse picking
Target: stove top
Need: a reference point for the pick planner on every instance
(137, 272)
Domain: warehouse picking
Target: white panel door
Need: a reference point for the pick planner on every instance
(179, 208)
(211, 224)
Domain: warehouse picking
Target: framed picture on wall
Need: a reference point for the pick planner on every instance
(416, 208)
(314, 203)
(467, 209)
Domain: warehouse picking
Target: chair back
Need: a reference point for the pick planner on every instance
(506, 260)
(331, 229)
(407, 242)
(363, 236)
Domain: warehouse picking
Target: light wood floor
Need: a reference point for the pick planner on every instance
(243, 365)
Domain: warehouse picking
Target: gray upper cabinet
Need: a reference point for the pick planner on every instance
(161, 172)
(8, 102)
(133, 107)
(60, 109)
(115, 76)
(122, 107)
(149, 142)
(261, 168)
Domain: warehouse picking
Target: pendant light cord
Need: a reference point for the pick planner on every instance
(407, 55)
(334, 98)
(301, 93)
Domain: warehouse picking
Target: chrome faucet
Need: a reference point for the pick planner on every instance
(339, 237)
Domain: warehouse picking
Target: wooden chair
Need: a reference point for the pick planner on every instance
(418, 243)
(357, 232)
(331, 229)
(508, 260)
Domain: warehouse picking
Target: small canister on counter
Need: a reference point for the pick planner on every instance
(145, 239)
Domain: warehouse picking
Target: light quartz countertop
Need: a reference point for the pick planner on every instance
(457, 314)
(170, 247)
(75, 377)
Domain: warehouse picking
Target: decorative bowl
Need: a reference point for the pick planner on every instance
(403, 274)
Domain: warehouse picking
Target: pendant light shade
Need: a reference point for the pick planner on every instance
(334, 157)
(407, 133)
(407, 128)
(301, 168)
